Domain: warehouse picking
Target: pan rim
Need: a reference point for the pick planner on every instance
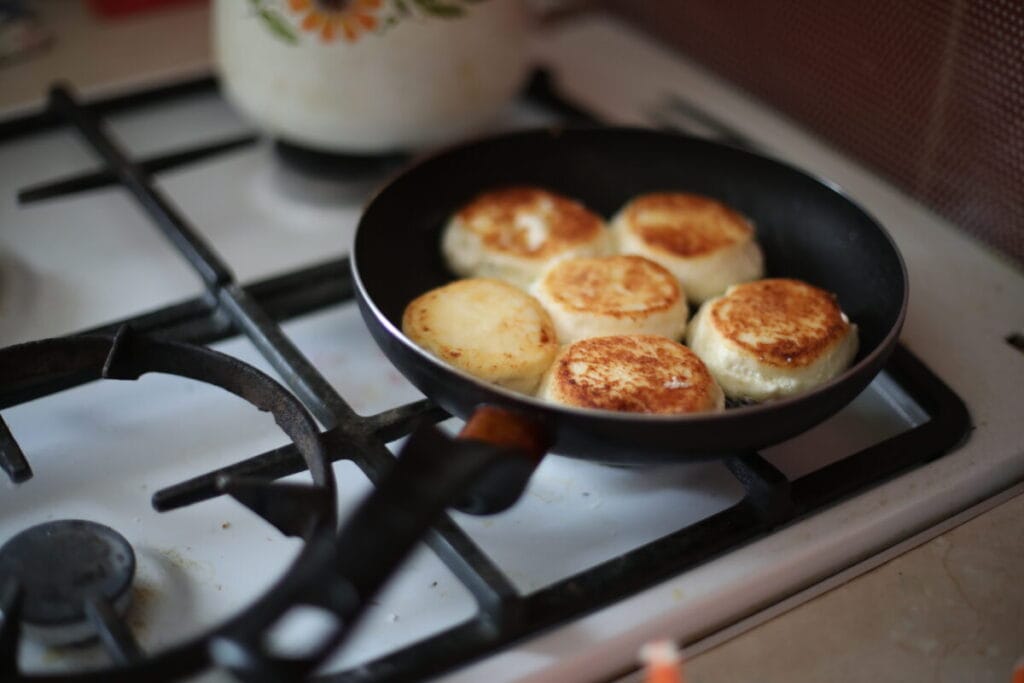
(882, 348)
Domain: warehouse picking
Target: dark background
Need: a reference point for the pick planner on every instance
(929, 93)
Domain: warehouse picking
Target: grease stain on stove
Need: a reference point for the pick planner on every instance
(185, 564)
(440, 591)
(546, 496)
(368, 394)
(144, 596)
(175, 558)
(396, 379)
(88, 655)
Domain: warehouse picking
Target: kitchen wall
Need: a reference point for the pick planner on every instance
(930, 93)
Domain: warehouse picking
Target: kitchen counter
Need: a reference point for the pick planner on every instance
(949, 608)
(98, 56)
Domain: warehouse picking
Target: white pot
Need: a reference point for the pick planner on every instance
(395, 81)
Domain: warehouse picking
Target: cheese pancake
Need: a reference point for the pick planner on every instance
(608, 295)
(512, 233)
(704, 243)
(488, 328)
(631, 373)
(773, 338)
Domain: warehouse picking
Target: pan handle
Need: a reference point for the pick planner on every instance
(509, 429)
(493, 458)
(523, 442)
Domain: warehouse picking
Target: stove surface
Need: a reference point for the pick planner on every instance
(100, 450)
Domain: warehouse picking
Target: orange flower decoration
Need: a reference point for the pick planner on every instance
(331, 18)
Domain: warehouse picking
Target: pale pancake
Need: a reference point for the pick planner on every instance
(488, 328)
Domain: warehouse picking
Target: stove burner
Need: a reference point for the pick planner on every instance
(307, 510)
(337, 165)
(305, 182)
(66, 570)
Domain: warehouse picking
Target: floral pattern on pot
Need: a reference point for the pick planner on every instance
(329, 20)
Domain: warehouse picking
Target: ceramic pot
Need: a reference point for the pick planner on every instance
(368, 76)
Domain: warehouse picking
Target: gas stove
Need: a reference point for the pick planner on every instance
(592, 561)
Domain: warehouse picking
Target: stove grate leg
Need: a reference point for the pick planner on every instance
(12, 459)
(113, 632)
(10, 627)
(768, 489)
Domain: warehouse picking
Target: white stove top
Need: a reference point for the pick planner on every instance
(100, 450)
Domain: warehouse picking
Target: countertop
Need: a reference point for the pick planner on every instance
(96, 56)
(951, 609)
(948, 609)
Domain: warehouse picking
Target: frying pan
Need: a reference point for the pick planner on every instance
(808, 229)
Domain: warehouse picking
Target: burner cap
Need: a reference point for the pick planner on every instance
(59, 565)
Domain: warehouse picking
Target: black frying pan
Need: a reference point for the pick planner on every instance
(808, 230)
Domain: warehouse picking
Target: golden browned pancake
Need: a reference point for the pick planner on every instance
(631, 373)
(488, 328)
(513, 233)
(773, 338)
(704, 243)
(608, 295)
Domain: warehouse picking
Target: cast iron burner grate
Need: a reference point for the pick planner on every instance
(68, 581)
(504, 615)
